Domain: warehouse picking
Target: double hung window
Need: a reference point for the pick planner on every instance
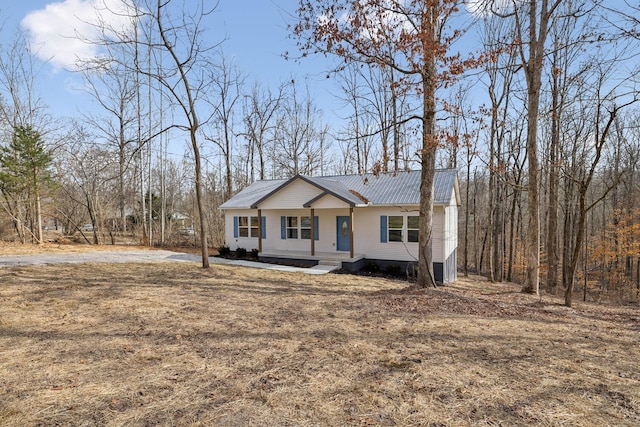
(298, 227)
(248, 226)
(400, 228)
(292, 227)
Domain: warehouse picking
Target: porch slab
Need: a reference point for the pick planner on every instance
(321, 261)
(319, 256)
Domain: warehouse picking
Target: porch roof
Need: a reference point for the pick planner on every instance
(327, 187)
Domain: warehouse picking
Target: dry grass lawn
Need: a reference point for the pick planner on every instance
(173, 344)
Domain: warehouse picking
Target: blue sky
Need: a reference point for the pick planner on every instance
(256, 32)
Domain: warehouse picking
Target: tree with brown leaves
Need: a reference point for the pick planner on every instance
(409, 37)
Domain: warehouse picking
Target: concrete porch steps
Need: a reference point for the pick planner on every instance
(330, 263)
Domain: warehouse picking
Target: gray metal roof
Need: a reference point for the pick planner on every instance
(336, 189)
(398, 188)
(252, 193)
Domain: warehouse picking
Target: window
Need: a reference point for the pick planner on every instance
(292, 227)
(305, 227)
(248, 226)
(344, 228)
(396, 224)
(254, 226)
(298, 227)
(413, 228)
(399, 228)
(243, 226)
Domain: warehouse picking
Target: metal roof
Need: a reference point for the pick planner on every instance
(252, 193)
(392, 188)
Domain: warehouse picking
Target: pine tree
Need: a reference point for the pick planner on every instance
(24, 173)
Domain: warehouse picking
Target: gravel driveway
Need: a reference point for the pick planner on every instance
(137, 255)
(101, 256)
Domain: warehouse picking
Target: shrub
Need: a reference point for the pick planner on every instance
(241, 253)
(224, 250)
(372, 266)
(254, 253)
(393, 270)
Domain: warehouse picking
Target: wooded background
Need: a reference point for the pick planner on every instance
(113, 174)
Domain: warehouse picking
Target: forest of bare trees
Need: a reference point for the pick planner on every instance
(533, 102)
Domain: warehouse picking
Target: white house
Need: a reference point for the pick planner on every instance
(351, 220)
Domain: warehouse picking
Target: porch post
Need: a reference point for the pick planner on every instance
(313, 233)
(259, 230)
(351, 233)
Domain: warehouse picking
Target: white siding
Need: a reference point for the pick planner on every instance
(450, 236)
(437, 234)
(275, 241)
(326, 228)
(294, 196)
(329, 202)
(367, 235)
(238, 242)
(366, 226)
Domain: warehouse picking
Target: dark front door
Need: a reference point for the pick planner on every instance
(343, 230)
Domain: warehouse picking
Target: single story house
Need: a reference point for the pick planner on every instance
(349, 220)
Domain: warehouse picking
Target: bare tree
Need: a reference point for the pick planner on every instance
(86, 172)
(605, 106)
(533, 31)
(260, 109)
(115, 91)
(499, 73)
(299, 136)
(565, 51)
(174, 34)
(226, 85)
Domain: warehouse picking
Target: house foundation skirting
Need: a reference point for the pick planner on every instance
(444, 272)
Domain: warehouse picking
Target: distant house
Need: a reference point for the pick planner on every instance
(350, 220)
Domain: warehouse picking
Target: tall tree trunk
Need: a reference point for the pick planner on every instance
(39, 236)
(577, 246)
(466, 220)
(512, 237)
(552, 209)
(532, 279)
(537, 36)
(201, 210)
(396, 125)
(429, 146)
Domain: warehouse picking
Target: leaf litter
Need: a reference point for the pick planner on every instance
(174, 344)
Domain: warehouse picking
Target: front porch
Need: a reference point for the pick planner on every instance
(337, 259)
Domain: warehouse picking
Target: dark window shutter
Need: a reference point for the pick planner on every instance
(235, 227)
(283, 227)
(263, 226)
(383, 229)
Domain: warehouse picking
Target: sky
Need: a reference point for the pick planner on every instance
(255, 31)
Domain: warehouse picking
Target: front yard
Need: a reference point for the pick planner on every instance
(173, 344)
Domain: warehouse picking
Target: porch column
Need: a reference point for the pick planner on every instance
(313, 233)
(351, 233)
(259, 230)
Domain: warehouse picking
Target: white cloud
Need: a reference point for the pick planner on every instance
(58, 33)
